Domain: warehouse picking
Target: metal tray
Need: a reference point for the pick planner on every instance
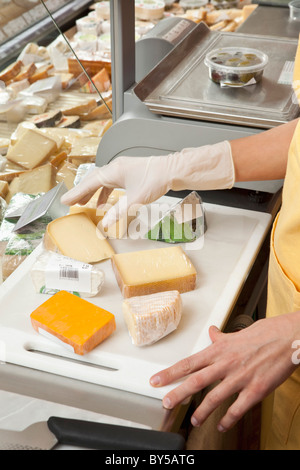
(180, 86)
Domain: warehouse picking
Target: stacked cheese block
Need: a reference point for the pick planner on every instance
(54, 123)
(36, 160)
(225, 20)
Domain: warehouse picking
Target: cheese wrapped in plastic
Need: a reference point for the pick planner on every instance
(152, 317)
(76, 323)
(20, 245)
(53, 272)
(157, 270)
(183, 223)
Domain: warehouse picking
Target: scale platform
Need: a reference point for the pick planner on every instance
(180, 85)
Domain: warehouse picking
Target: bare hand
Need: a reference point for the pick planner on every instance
(251, 362)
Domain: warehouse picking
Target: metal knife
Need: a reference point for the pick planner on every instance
(91, 435)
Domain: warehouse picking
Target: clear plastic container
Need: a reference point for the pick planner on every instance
(189, 4)
(295, 10)
(236, 67)
(222, 4)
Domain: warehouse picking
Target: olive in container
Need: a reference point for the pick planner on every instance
(232, 66)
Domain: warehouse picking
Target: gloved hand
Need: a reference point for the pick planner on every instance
(146, 179)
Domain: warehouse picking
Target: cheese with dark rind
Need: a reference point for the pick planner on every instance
(69, 122)
(49, 119)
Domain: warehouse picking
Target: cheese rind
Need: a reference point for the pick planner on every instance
(150, 318)
(157, 270)
(81, 108)
(74, 321)
(77, 237)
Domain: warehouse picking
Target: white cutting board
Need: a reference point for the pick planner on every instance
(230, 246)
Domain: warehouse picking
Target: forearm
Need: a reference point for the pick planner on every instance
(263, 156)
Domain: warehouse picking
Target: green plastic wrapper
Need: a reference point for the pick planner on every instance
(16, 246)
(183, 223)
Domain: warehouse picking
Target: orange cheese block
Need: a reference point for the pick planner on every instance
(74, 321)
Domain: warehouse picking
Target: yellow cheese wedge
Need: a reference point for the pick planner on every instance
(66, 174)
(84, 149)
(157, 270)
(25, 72)
(41, 73)
(11, 71)
(247, 10)
(84, 107)
(115, 231)
(38, 180)
(57, 160)
(9, 174)
(31, 149)
(76, 322)
(101, 112)
(77, 237)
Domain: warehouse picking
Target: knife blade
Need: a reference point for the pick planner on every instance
(45, 435)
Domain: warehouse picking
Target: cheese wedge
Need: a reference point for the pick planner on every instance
(31, 149)
(38, 180)
(9, 174)
(77, 237)
(115, 231)
(57, 160)
(11, 71)
(26, 72)
(157, 270)
(101, 81)
(77, 323)
(85, 107)
(41, 73)
(101, 112)
(84, 149)
(66, 174)
(150, 318)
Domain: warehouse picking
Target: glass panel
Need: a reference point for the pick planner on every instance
(52, 116)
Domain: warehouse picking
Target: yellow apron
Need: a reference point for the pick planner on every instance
(281, 410)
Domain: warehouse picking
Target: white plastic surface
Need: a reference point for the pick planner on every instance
(231, 244)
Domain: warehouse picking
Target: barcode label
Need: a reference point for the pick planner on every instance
(63, 273)
(69, 273)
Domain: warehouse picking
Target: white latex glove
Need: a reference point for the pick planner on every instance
(146, 179)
